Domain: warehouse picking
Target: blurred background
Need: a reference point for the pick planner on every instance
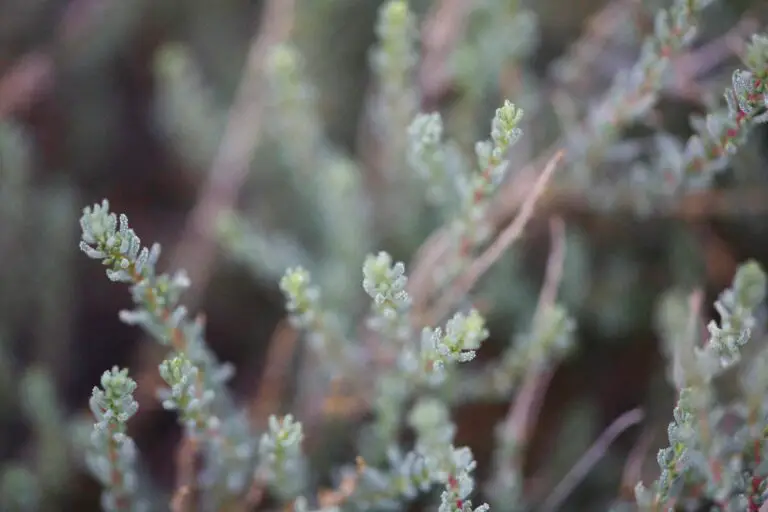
(129, 100)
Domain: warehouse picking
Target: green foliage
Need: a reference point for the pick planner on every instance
(333, 232)
(418, 370)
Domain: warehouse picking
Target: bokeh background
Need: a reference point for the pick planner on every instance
(129, 99)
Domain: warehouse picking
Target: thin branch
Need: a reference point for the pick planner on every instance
(601, 28)
(505, 239)
(195, 251)
(693, 206)
(185, 476)
(282, 347)
(553, 275)
(523, 413)
(683, 350)
(633, 468)
(441, 31)
(585, 464)
(437, 246)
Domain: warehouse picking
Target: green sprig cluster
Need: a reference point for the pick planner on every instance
(112, 458)
(698, 455)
